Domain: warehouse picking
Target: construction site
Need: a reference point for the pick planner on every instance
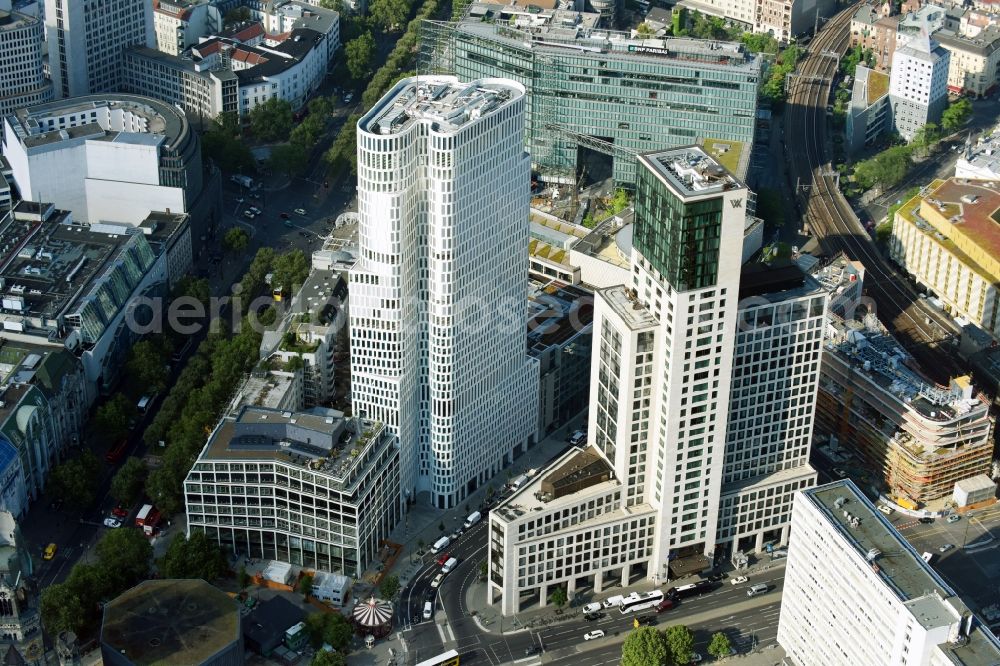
(918, 438)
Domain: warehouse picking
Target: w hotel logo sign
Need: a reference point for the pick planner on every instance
(736, 203)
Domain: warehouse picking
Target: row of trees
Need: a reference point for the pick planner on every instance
(774, 89)
(343, 153)
(889, 167)
(648, 646)
(855, 56)
(192, 408)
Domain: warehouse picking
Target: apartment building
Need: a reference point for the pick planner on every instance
(22, 79)
(179, 24)
(974, 61)
(873, 30)
(442, 236)
(917, 438)
(856, 592)
(593, 89)
(643, 498)
(772, 401)
(315, 489)
(918, 84)
(980, 160)
(86, 39)
(947, 239)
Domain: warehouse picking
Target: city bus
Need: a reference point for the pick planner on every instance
(638, 602)
(692, 590)
(449, 658)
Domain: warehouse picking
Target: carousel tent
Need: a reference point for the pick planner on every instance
(373, 616)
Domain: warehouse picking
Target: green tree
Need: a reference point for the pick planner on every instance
(926, 136)
(885, 170)
(759, 42)
(483, 570)
(271, 120)
(680, 640)
(238, 15)
(644, 30)
(956, 115)
(645, 646)
(290, 270)
(770, 208)
(390, 14)
(306, 586)
(344, 151)
(719, 647)
(236, 240)
(360, 55)
(228, 152)
(126, 554)
(679, 19)
(192, 287)
(128, 481)
(111, 419)
(75, 479)
(195, 557)
(62, 609)
(147, 366)
(389, 587)
(330, 628)
(289, 158)
(328, 658)
(558, 597)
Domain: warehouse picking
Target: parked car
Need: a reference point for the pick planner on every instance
(285, 216)
(300, 211)
(885, 508)
(577, 437)
(646, 620)
(737, 580)
(56, 504)
(925, 521)
(841, 474)
(592, 608)
(592, 617)
(945, 548)
(49, 552)
(591, 635)
(288, 224)
(249, 214)
(695, 658)
(348, 98)
(111, 522)
(954, 518)
(436, 583)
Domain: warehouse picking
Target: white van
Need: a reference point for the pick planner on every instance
(927, 557)
(440, 545)
(144, 402)
(428, 610)
(518, 482)
(473, 518)
(449, 565)
(759, 588)
(612, 602)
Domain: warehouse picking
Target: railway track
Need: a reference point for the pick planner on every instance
(831, 218)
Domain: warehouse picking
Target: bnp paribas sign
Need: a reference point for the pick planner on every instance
(648, 50)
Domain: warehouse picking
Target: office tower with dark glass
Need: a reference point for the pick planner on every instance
(596, 89)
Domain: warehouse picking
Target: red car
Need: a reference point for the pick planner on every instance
(443, 558)
(119, 512)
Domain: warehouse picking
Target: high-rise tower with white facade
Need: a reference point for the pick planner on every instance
(918, 84)
(87, 38)
(663, 427)
(438, 296)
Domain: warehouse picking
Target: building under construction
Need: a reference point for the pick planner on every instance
(919, 437)
(596, 90)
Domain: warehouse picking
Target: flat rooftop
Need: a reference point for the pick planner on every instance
(690, 171)
(161, 622)
(924, 593)
(559, 312)
(441, 100)
(557, 35)
(900, 566)
(322, 441)
(46, 265)
(635, 315)
(977, 203)
(868, 347)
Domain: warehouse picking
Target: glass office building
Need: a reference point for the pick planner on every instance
(600, 89)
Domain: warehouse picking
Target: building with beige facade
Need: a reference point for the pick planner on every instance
(948, 239)
(974, 61)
